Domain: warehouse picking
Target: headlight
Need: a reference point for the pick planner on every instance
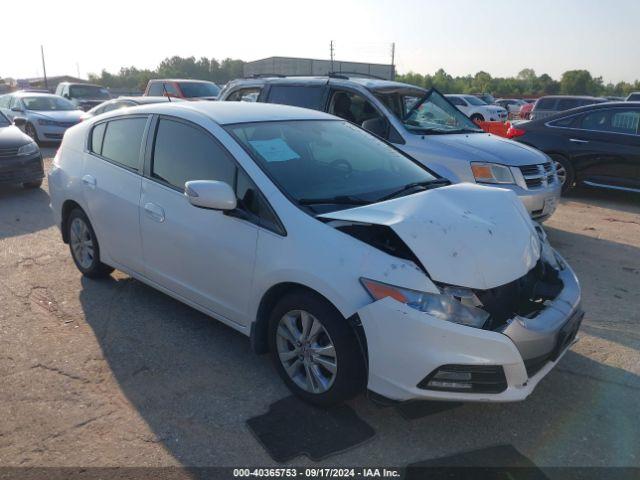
(491, 173)
(546, 251)
(442, 306)
(28, 149)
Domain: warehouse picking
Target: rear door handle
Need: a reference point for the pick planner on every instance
(90, 181)
(577, 140)
(155, 212)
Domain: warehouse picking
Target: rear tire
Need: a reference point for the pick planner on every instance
(84, 246)
(565, 171)
(476, 117)
(32, 185)
(315, 350)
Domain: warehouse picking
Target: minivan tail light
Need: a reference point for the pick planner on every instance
(513, 132)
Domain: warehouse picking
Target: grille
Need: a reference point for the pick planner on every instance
(8, 152)
(538, 176)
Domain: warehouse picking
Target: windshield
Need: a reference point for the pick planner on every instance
(89, 91)
(199, 89)
(474, 100)
(48, 104)
(434, 114)
(328, 164)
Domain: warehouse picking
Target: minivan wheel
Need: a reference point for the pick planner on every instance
(315, 350)
(564, 171)
(84, 247)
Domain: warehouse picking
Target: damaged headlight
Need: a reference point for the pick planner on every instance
(444, 306)
(547, 253)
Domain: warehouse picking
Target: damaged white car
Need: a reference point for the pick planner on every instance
(352, 264)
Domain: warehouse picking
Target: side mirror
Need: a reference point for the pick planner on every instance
(210, 194)
(19, 121)
(377, 126)
(16, 109)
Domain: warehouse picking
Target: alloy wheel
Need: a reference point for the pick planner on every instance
(306, 351)
(561, 172)
(81, 242)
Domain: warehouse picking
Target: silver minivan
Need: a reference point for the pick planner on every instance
(421, 123)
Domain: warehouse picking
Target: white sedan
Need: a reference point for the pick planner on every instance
(352, 264)
(478, 110)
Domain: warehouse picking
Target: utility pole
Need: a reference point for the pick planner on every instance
(44, 69)
(393, 61)
(78, 69)
(331, 55)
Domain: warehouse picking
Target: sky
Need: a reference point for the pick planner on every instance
(462, 36)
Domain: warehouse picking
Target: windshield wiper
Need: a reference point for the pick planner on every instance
(438, 182)
(337, 200)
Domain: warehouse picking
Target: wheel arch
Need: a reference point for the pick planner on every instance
(67, 207)
(260, 327)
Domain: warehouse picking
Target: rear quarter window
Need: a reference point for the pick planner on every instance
(298, 96)
(545, 104)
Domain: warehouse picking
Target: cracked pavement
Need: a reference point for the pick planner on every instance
(113, 373)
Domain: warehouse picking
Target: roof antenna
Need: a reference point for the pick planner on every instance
(166, 94)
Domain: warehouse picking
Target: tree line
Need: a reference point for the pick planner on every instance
(526, 83)
(132, 78)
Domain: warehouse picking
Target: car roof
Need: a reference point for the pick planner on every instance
(226, 113)
(142, 100)
(369, 83)
(584, 97)
(193, 80)
(587, 108)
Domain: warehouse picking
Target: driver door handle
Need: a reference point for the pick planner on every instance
(154, 211)
(89, 181)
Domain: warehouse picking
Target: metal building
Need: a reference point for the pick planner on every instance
(310, 66)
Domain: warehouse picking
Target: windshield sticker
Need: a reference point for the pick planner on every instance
(274, 150)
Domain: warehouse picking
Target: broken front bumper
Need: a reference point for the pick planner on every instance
(405, 346)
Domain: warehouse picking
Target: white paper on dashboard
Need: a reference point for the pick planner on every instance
(274, 150)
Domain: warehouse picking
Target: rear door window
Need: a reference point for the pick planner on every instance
(568, 103)
(613, 121)
(122, 141)
(311, 96)
(155, 89)
(545, 104)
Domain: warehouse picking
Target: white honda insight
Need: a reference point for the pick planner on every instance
(352, 264)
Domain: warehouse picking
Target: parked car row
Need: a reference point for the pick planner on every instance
(394, 279)
(422, 123)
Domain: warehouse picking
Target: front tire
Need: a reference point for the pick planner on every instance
(84, 246)
(565, 172)
(315, 350)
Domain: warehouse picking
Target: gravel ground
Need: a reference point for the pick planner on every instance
(113, 373)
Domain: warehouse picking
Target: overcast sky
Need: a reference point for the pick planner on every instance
(463, 36)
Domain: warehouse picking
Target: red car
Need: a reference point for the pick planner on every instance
(525, 110)
(185, 89)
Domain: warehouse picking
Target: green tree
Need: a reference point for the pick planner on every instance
(580, 82)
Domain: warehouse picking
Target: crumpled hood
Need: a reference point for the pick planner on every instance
(484, 147)
(464, 234)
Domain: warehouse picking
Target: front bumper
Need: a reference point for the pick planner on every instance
(405, 346)
(21, 169)
(541, 202)
(52, 133)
